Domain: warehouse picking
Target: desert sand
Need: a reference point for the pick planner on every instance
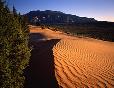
(80, 62)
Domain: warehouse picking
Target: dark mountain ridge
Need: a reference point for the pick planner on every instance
(56, 17)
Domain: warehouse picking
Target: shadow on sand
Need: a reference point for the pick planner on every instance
(40, 72)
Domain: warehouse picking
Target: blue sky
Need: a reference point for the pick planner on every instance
(99, 9)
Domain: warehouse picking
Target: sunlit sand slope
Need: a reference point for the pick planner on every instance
(84, 63)
(81, 62)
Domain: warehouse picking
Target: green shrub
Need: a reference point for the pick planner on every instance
(14, 51)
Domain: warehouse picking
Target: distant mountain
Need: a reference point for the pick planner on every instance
(55, 17)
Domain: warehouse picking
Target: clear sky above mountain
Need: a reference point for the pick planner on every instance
(99, 9)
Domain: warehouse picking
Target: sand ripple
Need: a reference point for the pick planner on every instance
(82, 63)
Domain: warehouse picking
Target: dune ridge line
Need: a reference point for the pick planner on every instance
(81, 62)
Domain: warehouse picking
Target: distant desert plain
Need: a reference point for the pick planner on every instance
(79, 62)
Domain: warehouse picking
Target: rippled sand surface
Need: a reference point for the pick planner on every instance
(82, 62)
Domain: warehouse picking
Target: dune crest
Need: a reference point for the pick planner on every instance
(81, 62)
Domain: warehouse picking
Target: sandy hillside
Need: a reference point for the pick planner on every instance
(81, 62)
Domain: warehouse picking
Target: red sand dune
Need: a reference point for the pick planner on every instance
(81, 62)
